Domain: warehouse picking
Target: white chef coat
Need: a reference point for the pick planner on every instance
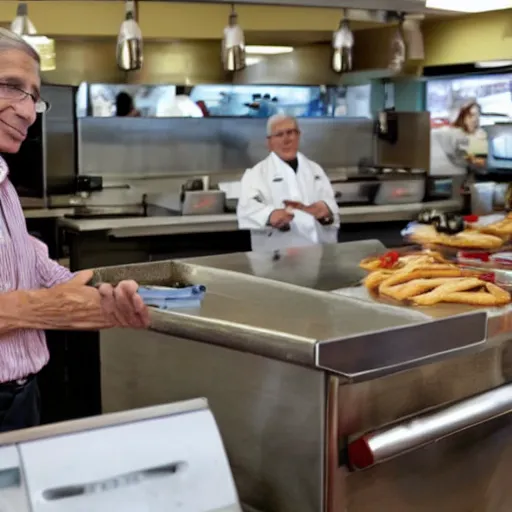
(179, 106)
(265, 187)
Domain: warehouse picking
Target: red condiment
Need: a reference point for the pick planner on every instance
(389, 259)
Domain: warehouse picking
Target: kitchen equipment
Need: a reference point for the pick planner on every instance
(46, 163)
(89, 183)
(403, 140)
(106, 212)
(287, 364)
(203, 202)
(380, 186)
(232, 190)
(172, 459)
(439, 187)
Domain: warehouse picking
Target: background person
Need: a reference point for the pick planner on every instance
(287, 200)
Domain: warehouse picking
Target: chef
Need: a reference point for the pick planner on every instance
(287, 200)
(36, 293)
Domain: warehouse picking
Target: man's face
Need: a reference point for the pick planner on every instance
(18, 72)
(284, 139)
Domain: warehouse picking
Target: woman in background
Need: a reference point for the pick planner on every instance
(465, 142)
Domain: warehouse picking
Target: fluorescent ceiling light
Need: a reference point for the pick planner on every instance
(493, 63)
(469, 5)
(267, 50)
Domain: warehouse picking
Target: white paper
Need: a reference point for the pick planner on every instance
(205, 484)
(232, 189)
(485, 220)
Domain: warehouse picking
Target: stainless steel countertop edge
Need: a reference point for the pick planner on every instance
(152, 226)
(471, 329)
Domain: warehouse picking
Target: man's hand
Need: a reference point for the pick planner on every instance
(296, 205)
(121, 305)
(319, 210)
(74, 305)
(124, 305)
(280, 218)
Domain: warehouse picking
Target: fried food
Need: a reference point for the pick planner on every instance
(421, 280)
(467, 239)
(470, 291)
(394, 261)
(502, 228)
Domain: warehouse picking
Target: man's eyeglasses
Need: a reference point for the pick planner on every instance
(11, 92)
(285, 133)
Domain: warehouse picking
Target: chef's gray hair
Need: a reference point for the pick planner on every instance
(11, 41)
(279, 118)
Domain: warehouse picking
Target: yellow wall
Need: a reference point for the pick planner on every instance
(159, 20)
(486, 36)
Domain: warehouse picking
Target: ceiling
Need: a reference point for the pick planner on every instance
(393, 5)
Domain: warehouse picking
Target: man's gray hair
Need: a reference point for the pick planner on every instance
(11, 41)
(279, 118)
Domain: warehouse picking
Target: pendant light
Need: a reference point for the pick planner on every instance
(44, 46)
(233, 44)
(398, 48)
(413, 36)
(129, 41)
(342, 44)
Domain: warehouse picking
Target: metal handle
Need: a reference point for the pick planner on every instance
(386, 444)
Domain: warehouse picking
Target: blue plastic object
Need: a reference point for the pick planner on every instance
(409, 229)
(163, 297)
(173, 303)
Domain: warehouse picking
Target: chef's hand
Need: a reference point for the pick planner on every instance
(280, 218)
(296, 205)
(319, 210)
(123, 305)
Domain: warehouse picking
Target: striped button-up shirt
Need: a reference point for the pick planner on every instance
(24, 265)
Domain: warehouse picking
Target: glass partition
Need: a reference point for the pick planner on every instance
(258, 101)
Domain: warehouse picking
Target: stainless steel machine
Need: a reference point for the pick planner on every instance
(328, 401)
(164, 458)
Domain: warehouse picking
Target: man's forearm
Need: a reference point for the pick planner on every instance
(47, 309)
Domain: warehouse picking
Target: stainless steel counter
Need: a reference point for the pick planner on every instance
(321, 267)
(46, 213)
(301, 325)
(308, 388)
(153, 226)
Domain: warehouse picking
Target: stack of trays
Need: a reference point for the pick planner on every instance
(163, 297)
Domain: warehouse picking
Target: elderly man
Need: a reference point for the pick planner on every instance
(35, 292)
(287, 200)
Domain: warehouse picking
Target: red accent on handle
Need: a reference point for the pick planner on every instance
(471, 218)
(360, 454)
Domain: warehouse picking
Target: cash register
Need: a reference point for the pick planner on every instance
(166, 458)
